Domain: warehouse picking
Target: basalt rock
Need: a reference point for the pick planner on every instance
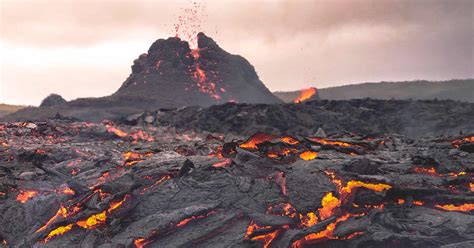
(363, 116)
(78, 184)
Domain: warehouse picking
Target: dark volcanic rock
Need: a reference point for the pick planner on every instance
(364, 116)
(174, 75)
(77, 184)
(52, 100)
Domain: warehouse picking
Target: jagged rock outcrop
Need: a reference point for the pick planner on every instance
(175, 75)
(52, 100)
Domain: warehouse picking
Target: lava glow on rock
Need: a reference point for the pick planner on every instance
(305, 95)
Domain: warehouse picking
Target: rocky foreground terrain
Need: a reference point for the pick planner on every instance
(77, 184)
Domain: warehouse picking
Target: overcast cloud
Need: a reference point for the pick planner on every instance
(85, 48)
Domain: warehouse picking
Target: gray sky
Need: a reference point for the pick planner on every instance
(85, 48)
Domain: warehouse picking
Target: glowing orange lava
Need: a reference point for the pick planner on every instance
(462, 208)
(329, 203)
(116, 131)
(93, 220)
(330, 142)
(58, 231)
(289, 140)
(373, 186)
(305, 95)
(256, 139)
(308, 155)
(24, 196)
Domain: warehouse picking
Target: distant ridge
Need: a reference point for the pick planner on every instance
(456, 89)
(7, 109)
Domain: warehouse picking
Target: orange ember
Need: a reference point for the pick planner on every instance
(463, 208)
(305, 95)
(140, 242)
(308, 155)
(418, 203)
(68, 191)
(431, 171)
(24, 196)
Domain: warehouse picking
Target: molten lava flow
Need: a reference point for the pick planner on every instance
(305, 95)
(330, 142)
(308, 155)
(457, 143)
(334, 179)
(266, 238)
(62, 211)
(58, 232)
(90, 223)
(355, 184)
(115, 205)
(329, 203)
(309, 219)
(24, 196)
(256, 139)
(116, 131)
(93, 221)
(281, 209)
(462, 208)
(158, 182)
(327, 233)
(289, 140)
(187, 220)
(132, 158)
(203, 82)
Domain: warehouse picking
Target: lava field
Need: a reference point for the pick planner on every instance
(79, 184)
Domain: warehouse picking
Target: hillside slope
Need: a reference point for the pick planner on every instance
(458, 90)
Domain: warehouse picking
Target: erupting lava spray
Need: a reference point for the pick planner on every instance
(187, 28)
